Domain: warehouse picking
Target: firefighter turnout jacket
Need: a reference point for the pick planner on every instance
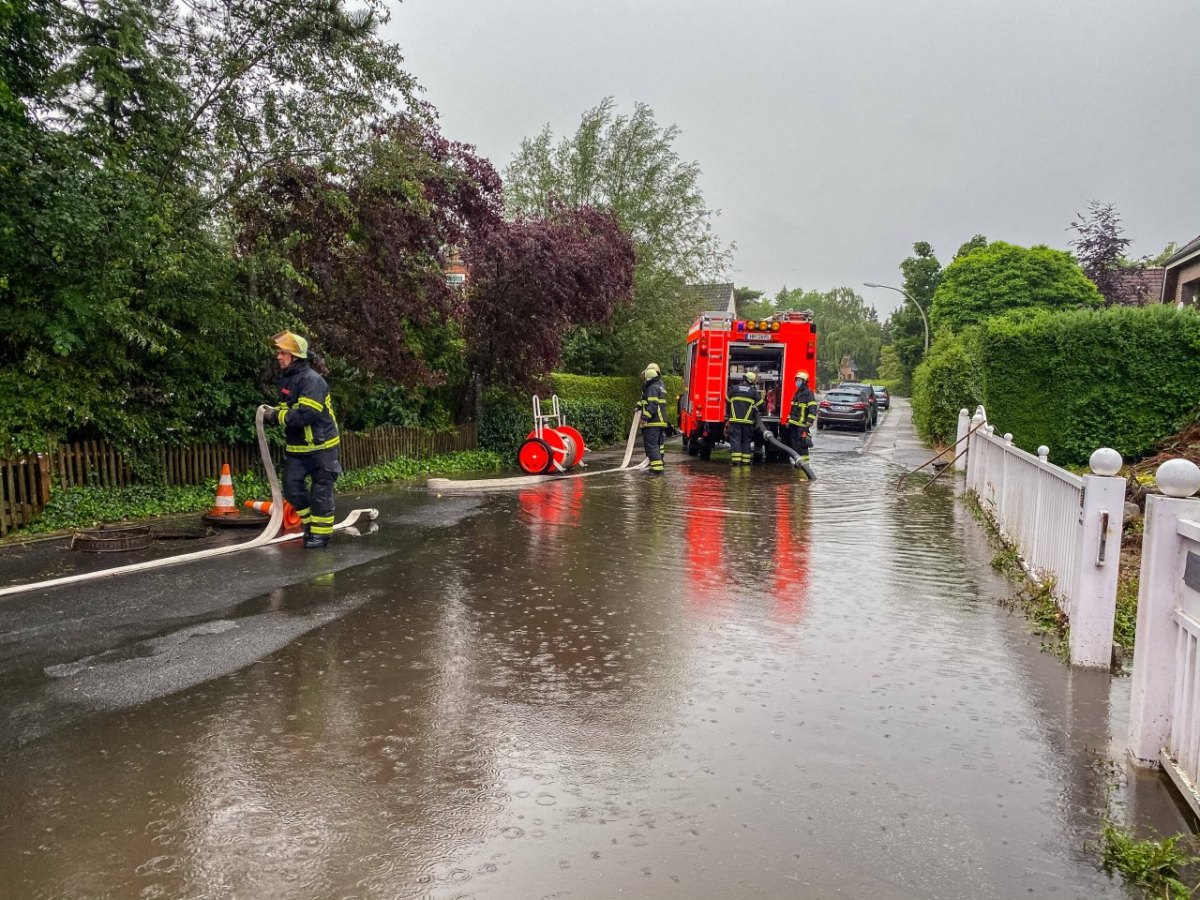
(744, 403)
(804, 408)
(654, 404)
(305, 411)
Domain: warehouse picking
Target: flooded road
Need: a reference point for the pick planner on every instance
(716, 684)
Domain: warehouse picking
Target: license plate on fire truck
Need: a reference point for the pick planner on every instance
(758, 337)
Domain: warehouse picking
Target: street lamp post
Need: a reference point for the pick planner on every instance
(924, 318)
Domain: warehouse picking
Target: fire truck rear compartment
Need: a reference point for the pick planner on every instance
(767, 361)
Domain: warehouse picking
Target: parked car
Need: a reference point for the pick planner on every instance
(885, 398)
(846, 408)
(869, 393)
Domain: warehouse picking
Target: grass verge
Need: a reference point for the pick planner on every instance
(83, 507)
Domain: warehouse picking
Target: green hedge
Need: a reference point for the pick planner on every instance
(1123, 378)
(947, 380)
(1074, 380)
(600, 407)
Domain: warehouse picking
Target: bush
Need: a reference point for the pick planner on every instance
(1075, 381)
(947, 380)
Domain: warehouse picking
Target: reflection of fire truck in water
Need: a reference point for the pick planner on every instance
(720, 349)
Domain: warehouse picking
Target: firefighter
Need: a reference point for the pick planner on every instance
(654, 417)
(743, 409)
(311, 436)
(801, 416)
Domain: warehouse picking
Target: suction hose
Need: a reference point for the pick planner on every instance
(269, 535)
(797, 459)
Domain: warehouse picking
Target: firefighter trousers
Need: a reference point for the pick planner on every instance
(314, 505)
(653, 438)
(741, 443)
(800, 440)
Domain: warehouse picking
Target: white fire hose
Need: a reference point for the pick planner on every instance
(520, 481)
(270, 534)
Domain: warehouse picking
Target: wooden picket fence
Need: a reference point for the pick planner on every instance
(27, 481)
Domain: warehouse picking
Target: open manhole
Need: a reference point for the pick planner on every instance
(112, 539)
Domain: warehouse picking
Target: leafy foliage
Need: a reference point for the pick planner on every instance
(846, 326)
(948, 380)
(358, 254)
(1100, 247)
(627, 166)
(1155, 865)
(531, 280)
(1001, 277)
(1122, 378)
(905, 328)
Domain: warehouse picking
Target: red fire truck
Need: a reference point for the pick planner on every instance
(720, 349)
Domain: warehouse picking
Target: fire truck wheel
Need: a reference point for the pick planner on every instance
(693, 446)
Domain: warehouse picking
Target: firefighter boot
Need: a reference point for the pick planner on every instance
(316, 541)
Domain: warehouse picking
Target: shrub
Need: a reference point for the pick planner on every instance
(1075, 381)
(947, 380)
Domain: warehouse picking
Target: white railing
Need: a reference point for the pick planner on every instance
(1164, 710)
(1066, 528)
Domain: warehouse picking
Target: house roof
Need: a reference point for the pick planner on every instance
(1190, 248)
(715, 296)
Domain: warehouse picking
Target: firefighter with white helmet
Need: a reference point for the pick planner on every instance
(654, 417)
(743, 406)
(801, 415)
(311, 435)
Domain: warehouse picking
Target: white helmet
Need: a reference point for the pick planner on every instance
(802, 375)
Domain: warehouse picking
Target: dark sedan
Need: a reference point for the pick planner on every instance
(844, 409)
(884, 396)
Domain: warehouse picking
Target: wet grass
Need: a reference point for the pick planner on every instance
(1154, 866)
(82, 507)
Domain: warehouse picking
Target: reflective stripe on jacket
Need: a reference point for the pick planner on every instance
(804, 408)
(305, 410)
(743, 403)
(654, 404)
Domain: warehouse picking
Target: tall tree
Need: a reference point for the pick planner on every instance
(627, 166)
(906, 327)
(1100, 247)
(359, 253)
(1003, 277)
(532, 280)
(846, 326)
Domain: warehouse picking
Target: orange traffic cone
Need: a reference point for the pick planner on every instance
(224, 505)
(290, 518)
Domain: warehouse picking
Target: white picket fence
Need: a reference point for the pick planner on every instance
(1164, 712)
(1065, 527)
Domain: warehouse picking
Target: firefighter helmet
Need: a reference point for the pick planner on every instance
(291, 343)
(751, 377)
(651, 371)
(802, 375)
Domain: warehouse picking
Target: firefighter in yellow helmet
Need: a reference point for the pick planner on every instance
(311, 435)
(654, 417)
(743, 406)
(801, 415)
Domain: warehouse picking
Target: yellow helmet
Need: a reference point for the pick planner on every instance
(802, 375)
(751, 377)
(291, 343)
(651, 371)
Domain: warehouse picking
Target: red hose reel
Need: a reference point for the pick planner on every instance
(553, 445)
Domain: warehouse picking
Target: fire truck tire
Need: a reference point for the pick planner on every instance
(535, 457)
(692, 445)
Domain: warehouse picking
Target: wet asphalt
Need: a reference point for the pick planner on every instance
(712, 684)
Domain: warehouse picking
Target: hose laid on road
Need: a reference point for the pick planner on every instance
(520, 481)
(797, 459)
(270, 534)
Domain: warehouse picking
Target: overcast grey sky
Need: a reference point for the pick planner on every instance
(832, 134)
